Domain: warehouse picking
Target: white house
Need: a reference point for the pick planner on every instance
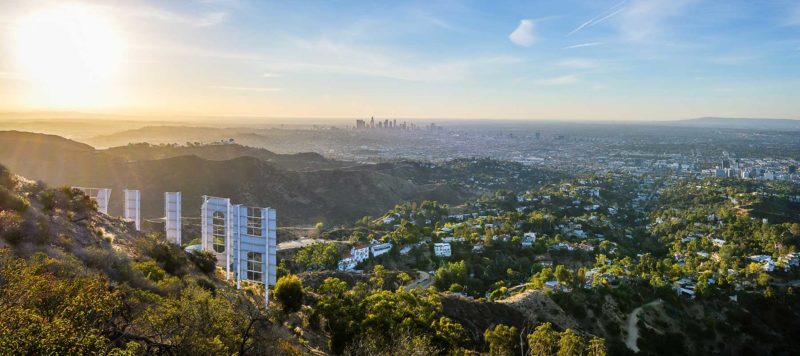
(360, 253)
(528, 239)
(380, 249)
(441, 249)
(347, 264)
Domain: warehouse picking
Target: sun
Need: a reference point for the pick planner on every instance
(70, 54)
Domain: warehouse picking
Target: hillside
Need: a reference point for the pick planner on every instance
(299, 161)
(161, 134)
(333, 195)
(78, 282)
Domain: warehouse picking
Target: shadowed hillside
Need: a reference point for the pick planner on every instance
(300, 197)
(297, 161)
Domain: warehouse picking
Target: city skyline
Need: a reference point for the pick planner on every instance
(605, 60)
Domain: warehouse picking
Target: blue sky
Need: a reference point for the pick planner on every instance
(606, 60)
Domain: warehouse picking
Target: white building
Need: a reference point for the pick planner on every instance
(380, 249)
(132, 207)
(242, 238)
(101, 196)
(528, 239)
(347, 264)
(441, 249)
(172, 216)
(360, 253)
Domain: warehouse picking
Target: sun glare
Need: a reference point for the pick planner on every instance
(70, 54)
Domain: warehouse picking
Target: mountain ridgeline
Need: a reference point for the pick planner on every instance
(304, 187)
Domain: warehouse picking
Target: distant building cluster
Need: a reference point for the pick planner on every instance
(759, 169)
(387, 124)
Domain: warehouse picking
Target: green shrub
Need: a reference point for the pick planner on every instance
(10, 201)
(205, 261)
(171, 257)
(289, 292)
(6, 178)
(11, 227)
(207, 285)
(150, 270)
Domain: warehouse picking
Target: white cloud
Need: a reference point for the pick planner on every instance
(646, 19)
(578, 63)
(335, 57)
(582, 45)
(733, 59)
(198, 18)
(611, 12)
(204, 20)
(525, 34)
(562, 80)
(256, 89)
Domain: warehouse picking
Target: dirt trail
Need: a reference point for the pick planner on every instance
(424, 280)
(633, 327)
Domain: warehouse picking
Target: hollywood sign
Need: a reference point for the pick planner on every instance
(242, 238)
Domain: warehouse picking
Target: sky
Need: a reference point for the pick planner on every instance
(554, 60)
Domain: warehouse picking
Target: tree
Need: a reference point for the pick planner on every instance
(317, 256)
(205, 261)
(570, 344)
(543, 341)
(340, 313)
(448, 332)
(795, 229)
(597, 347)
(452, 272)
(289, 292)
(502, 340)
(562, 274)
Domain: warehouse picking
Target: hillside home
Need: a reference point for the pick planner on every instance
(441, 249)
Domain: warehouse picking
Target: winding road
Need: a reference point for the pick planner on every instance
(633, 327)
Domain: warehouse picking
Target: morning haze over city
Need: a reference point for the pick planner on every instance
(219, 177)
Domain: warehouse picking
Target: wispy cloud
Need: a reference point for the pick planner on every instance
(793, 19)
(582, 45)
(733, 59)
(605, 15)
(254, 89)
(525, 34)
(646, 19)
(562, 80)
(433, 20)
(334, 57)
(203, 19)
(577, 63)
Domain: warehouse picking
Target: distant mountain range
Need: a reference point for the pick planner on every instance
(738, 123)
(303, 188)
